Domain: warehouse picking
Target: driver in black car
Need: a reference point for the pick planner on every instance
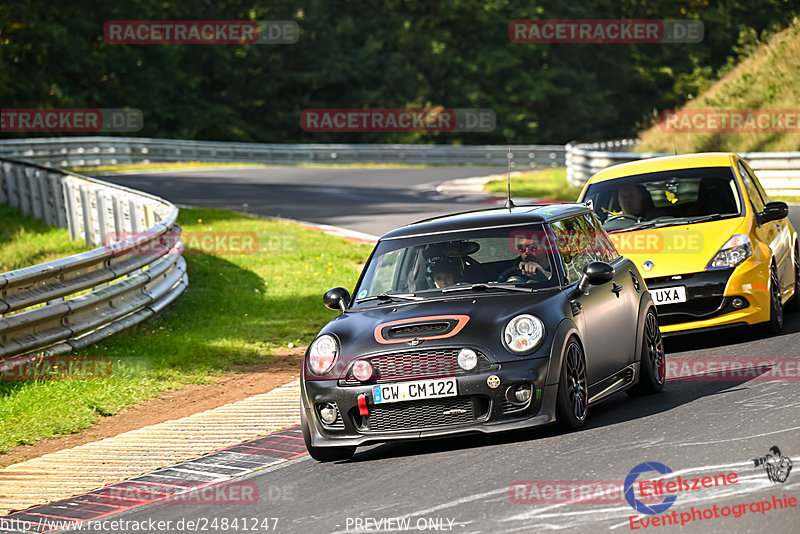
(533, 264)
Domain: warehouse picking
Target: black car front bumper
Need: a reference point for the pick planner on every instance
(477, 407)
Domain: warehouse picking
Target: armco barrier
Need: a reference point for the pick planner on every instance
(779, 172)
(93, 151)
(71, 302)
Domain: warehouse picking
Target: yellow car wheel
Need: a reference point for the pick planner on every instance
(795, 306)
(775, 323)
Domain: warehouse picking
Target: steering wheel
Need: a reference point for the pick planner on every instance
(622, 216)
(505, 274)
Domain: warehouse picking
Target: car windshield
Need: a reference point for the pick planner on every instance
(475, 260)
(665, 198)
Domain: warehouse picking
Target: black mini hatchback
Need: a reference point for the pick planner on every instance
(484, 321)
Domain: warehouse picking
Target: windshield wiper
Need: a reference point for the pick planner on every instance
(709, 217)
(390, 296)
(676, 222)
(484, 287)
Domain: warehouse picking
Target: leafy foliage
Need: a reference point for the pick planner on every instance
(371, 53)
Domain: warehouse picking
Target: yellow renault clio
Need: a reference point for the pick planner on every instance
(714, 250)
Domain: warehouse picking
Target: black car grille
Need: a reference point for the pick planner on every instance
(423, 414)
(507, 407)
(419, 364)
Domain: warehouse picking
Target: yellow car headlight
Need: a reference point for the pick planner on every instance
(732, 253)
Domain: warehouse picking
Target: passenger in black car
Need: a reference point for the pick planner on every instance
(444, 271)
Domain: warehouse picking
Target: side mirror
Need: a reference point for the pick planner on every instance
(336, 299)
(595, 274)
(774, 211)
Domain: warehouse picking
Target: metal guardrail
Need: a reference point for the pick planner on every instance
(93, 151)
(54, 307)
(778, 172)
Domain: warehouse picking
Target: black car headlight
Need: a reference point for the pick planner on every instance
(322, 354)
(523, 333)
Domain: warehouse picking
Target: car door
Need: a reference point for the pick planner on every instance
(610, 310)
(774, 233)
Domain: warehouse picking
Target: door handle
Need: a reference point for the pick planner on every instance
(616, 289)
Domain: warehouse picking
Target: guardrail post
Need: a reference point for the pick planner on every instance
(25, 189)
(133, 211)
(5, 171)
(13, 187)
(102, 217)
(149, 216)
(35, 194)
(59, 209)
(87, 217)
(71, 212)
(46, 204)
(119, 222)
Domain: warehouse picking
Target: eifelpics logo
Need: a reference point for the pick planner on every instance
(630, 494)
(668, 485)
(777, 466)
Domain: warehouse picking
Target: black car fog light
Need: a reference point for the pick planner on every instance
(362, 370)
(467, 359)
(521, 393)
(737, 302)
(328, 413)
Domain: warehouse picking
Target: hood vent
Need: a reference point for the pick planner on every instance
(420, 330)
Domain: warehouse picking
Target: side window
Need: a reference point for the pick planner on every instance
(750, 185)
(604, 249)
(757, 183)
(574, 246)
(385, 272)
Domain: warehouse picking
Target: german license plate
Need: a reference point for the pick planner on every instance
(668, 295)
(409, 391)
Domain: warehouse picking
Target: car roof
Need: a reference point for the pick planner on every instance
(489, 218)
(665, 163)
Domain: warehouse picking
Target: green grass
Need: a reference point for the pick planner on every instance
(238, 310)
(25, 241)
(550, 184)
(769, 78)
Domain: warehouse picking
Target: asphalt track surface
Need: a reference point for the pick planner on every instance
(372, 201)
(467, 484)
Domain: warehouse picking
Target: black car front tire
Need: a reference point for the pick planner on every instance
(572, 398)
(324, 454)
(652, 368)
